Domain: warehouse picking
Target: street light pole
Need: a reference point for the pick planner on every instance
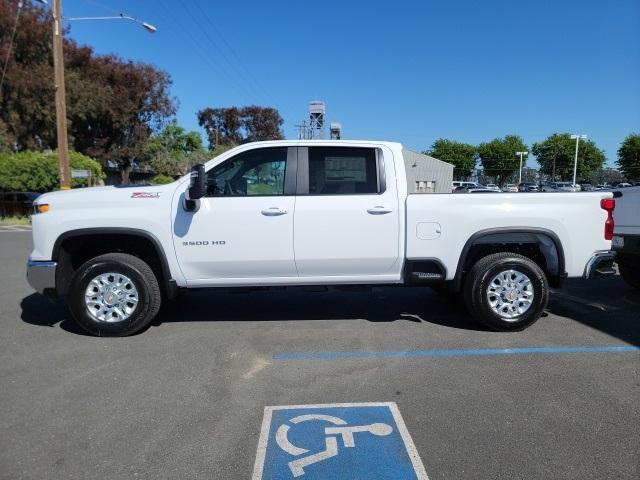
(61, 104)
(575, 161)
(521, 154)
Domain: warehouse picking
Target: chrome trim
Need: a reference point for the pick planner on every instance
(510, 294)
(596, 259)
(41, 275)
(111, 297)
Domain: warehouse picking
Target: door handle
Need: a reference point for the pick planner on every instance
(379, 210)
(273, 212)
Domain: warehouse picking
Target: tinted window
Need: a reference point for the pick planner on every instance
(342, 171)
(256, 172)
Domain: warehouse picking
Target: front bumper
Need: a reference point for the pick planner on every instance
(41, 275)
(600, 264)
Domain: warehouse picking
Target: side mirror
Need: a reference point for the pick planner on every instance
(197, 187)
(198, 183)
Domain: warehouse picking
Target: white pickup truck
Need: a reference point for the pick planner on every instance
(331, 213)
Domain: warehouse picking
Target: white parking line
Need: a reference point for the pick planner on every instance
(14, 228)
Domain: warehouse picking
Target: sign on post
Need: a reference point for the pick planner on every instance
(336, 441)
(80, 173)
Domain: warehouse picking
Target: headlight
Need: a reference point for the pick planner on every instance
(40, 208)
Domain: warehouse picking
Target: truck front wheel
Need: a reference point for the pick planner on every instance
(506, 291)
(114, 295)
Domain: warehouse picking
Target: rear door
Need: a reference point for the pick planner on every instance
(347, 213)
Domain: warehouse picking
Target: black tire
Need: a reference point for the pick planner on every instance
(478, 280)
(145, 281)
(630, 270)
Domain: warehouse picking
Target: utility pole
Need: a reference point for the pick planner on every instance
(61, 104)
(58, 76)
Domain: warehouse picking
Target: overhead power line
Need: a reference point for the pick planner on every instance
(9, 48)
(240, 75)
(233, 53)
(200, 49)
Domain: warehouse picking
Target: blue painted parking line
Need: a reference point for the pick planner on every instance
(339, 441)
(457, 352)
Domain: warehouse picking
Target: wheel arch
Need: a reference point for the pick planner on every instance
(65, 269)
(496, 239)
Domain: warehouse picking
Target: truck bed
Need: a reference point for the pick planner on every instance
(439, 226)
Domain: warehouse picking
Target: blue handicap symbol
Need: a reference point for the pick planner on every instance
(336, 441)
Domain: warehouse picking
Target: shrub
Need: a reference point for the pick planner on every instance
(162, 179)
(38, 171)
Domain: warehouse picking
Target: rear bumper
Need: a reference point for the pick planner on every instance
(600, 264)
(41, 275)
(630, 244)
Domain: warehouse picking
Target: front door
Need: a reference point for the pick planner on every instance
(243, 230)
(347, 214)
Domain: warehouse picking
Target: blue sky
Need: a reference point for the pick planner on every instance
(404, 71)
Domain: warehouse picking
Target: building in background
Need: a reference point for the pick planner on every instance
(426, 174)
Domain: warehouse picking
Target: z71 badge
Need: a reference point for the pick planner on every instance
(145, 195)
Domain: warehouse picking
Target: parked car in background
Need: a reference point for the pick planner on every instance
(568, 187)
(482, 190)
(587, 187)
(623, 185)
(510, 188)
(492, 186)
(456, 184)
(626, 234)
(17, 204)
(528, 187)
(464, 186)
(560, 187)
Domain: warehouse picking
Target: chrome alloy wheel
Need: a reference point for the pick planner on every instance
(111, 297)
(510, 294)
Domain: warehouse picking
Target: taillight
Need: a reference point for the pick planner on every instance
(609, 205)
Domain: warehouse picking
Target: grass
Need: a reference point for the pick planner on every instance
(15, 221)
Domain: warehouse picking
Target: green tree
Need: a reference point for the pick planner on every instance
(556, 156)
(498, 157)
(38, 171)
(462, 155)
(173, 150)
(629, 157)
(233, 125)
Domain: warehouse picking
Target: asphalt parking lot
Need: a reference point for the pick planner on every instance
(185, 399)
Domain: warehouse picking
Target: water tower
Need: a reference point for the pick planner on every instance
(335, 131)
(317, 113)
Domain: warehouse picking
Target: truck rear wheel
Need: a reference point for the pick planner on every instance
(114, 295)
(630, 270)
(506, 291)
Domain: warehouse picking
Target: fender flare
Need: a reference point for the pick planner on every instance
(561, 274)
(81, 232)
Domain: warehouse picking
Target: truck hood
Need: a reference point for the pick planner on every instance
(78, 195)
